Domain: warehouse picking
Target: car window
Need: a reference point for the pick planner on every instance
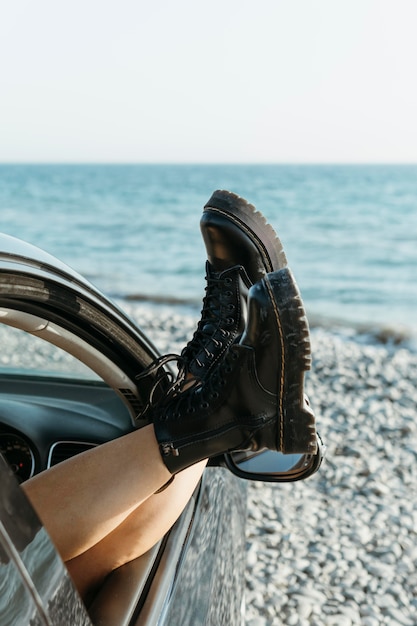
(22, 352)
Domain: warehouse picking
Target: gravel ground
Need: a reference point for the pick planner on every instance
(339, 549)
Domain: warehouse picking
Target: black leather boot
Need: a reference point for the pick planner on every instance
(241, 248)
(254, 397)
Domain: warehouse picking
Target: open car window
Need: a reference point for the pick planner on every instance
(24, 353)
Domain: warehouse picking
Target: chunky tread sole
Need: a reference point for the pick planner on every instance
(253, 223)
(297, 429)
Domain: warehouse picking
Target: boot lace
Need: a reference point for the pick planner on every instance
(201, 394)
(213, 314)
(213, 319)
(163, 377)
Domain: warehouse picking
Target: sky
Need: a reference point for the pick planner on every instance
(279, 81)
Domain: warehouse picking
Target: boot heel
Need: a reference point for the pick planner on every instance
(300, 434)
(297, 420)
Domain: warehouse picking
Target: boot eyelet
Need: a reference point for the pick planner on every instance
(230, 307)
(228, 281)
(214, 395)
(228, 294)
(204, 405)
(229, 321)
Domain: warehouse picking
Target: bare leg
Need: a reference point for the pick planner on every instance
(138, 533)
(85, 498)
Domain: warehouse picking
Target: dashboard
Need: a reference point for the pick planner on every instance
(45, 420)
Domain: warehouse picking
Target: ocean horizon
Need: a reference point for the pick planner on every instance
(349, 231)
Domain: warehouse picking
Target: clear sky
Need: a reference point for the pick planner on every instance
(215, 81)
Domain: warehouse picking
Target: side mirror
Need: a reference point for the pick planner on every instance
(270, 466)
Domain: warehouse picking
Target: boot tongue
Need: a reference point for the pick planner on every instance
(212, 271)
(215, 272)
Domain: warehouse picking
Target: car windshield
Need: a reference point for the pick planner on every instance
(23, 353)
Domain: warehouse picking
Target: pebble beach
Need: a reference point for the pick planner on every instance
(340, 548)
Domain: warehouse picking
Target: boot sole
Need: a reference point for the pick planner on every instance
(251, 221)
(296, 420)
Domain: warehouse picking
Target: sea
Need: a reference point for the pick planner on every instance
(349, 232)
